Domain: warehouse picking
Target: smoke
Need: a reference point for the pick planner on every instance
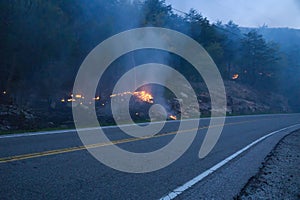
(246, 13)
(297, 4)
(130, 62)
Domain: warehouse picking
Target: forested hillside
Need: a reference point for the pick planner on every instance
(43, 43)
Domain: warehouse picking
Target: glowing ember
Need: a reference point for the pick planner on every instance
(141, 95)
(77, 97)
(173, 117)
(235, 76)
(96, 98)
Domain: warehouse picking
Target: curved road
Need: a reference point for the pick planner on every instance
(55, 165)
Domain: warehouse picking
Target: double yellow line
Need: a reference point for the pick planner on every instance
(79, 148)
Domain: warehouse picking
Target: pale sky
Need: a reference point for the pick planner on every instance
(246, 13)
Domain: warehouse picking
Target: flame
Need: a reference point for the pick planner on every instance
(235, 76)
(173, 117)
(144, 96)
(71, 100)
(96, 98)
(141, 95)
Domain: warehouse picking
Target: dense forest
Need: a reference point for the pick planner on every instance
(43, 44)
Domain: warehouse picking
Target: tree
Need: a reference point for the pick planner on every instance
(207, 35)
(231, 46)
(155, 13)
(258, 60)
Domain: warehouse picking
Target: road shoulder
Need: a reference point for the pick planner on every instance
(278, 177)
(227, 182)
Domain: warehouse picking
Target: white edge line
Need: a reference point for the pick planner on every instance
(125, 125)
(201, 176)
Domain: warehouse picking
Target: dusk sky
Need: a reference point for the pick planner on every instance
(246, 13)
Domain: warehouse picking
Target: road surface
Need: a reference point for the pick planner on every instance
(55, 165)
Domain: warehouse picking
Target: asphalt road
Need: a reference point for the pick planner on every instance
(56, 166)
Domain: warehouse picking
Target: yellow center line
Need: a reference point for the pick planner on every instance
(122, 141)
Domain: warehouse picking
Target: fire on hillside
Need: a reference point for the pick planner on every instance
(141, 95)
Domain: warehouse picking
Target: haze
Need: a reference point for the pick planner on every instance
(274, 13)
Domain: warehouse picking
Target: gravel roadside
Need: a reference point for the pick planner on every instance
(279, 176)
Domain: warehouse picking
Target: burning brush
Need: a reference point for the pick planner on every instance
(141, 95)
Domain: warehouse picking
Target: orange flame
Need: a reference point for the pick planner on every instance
(141, 95)
(144, 96)
(235, 76)
(173, 117)
(71, 100)
(96, 98)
